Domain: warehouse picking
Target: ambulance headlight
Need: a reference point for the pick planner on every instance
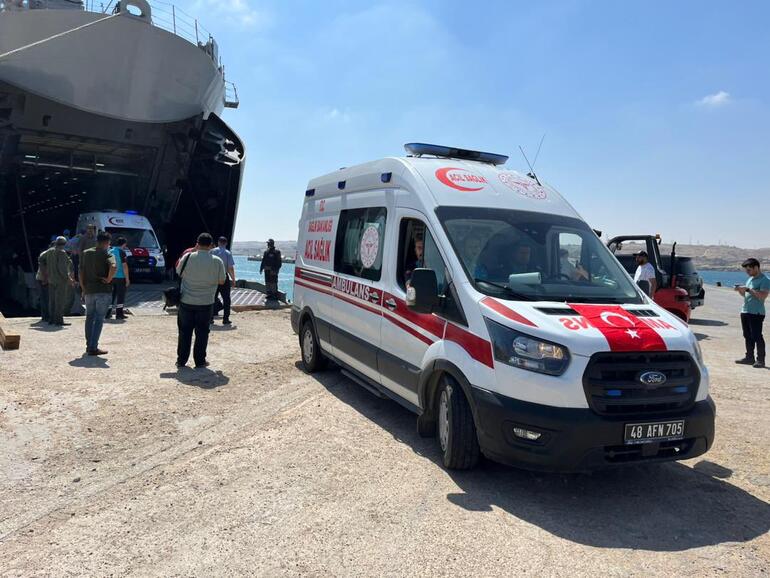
(526, 352)
(697, 352)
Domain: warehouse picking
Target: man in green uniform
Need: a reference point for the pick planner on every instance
(42, 282)
(58, 267)
(97, 268)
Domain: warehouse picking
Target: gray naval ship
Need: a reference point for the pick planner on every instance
(110, 107)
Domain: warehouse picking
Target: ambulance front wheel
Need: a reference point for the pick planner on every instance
(312, 357)
(455, 429)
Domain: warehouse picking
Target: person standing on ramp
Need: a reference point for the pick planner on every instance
(271, 265)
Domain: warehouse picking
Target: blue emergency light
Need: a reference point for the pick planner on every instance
(132, 212)
(418, 149)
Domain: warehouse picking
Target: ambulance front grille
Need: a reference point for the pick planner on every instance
(613, 388)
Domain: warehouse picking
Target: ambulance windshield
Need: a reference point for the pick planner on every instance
(144, 238)
(523, 255)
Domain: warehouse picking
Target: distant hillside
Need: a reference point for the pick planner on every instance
(721, 257)
(711, 257)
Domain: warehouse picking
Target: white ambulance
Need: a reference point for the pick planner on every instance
(146, 259)
(479, 299)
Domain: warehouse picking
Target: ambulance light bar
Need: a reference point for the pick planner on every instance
(419, 149)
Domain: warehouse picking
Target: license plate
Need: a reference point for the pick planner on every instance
(643, 433)
(142, 270)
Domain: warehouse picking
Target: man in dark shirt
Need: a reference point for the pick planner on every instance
(271, 264)
(97, 268)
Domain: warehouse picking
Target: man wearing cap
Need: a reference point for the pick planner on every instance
(224, 289)
(645, 272)
(58, 268)
(271, 264)
(754, 293)
(42, 280)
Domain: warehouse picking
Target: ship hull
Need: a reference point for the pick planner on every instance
(118, 66)
(58, 161)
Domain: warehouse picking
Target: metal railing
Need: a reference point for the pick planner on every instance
(163, 14)
(166, 16)
(231, 95)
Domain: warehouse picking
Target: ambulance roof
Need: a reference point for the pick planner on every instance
(446, 182)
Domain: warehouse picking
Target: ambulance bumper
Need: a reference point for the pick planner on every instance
(579, 440)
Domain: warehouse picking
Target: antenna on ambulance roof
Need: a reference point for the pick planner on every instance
(531, 173)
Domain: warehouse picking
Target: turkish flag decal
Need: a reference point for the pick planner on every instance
(622, 330)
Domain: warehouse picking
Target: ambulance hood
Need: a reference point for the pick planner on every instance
(586, 329)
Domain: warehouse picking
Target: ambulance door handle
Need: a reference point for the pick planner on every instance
(391, 304)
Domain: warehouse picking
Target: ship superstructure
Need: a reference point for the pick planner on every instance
(111, 109)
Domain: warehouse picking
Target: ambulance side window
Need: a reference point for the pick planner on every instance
(360, 239)
(418, 249)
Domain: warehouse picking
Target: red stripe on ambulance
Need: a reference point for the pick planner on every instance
(505, 311)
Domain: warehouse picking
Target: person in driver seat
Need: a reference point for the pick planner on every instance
(574, 272)
(417, 260)
(499, 263)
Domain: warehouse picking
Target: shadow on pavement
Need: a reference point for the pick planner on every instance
(700, 336)
(665, 507)
(90, 361)
(42, 326)
(713, 470)
(204, 377)
(708, 322)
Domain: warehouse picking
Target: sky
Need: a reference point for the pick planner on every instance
(656, 114)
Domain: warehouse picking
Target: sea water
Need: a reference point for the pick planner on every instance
(727, 278)
(249, 270)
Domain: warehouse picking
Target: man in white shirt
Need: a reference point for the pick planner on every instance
(645, 272)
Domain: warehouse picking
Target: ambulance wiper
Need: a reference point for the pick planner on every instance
(506, 288)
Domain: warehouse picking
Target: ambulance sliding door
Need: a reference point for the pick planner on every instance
(357, 287)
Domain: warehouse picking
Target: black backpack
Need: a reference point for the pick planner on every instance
(173, 295)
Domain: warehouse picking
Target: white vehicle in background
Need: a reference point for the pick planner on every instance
(479, 299)
(146, 259)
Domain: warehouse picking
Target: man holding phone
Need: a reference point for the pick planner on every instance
(754, 294)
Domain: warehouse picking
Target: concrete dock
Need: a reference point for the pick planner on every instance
(124, 465)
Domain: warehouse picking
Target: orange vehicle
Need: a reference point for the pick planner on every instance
(668, 295)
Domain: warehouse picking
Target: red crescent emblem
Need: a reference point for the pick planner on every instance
(442, 175)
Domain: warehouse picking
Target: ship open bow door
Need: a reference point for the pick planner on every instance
(208, 196)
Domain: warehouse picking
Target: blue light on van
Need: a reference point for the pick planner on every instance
(385, 177)
(418, 149)
(132, 212)
(310, 192)
(341, 185)
(614, 392)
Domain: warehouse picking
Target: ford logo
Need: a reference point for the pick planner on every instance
(652, 378)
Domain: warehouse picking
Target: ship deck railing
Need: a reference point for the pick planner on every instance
(164, 15)
(170, 18)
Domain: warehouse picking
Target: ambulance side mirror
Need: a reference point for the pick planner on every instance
(422, 292)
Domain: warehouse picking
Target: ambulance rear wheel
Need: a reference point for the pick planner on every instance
(312, 358)
(455, 429)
